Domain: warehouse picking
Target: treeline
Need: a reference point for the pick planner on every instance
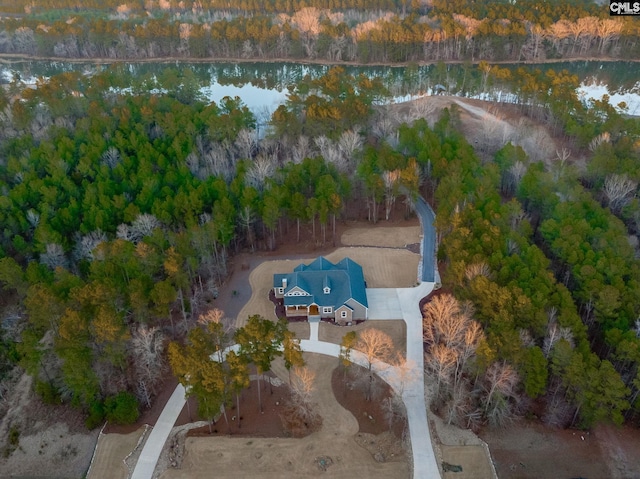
(245, 6)
(566, 326)
(363, 32)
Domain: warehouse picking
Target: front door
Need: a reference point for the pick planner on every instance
(313, 310)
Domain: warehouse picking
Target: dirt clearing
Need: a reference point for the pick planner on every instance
(333, 449)
(40, 440)
(382, 267)
(529, 450)
(111, 451)
(390, 237)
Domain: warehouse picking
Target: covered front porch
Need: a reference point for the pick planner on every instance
(311, 312)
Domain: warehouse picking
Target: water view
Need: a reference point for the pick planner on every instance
(263, 86)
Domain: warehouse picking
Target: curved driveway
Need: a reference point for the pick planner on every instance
(384, 303)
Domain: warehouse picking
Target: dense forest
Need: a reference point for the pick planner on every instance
(124, 198)
(383, 31)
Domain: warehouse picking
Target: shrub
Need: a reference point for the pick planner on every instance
(47, 392)
(14, 436)
(96, 415)
(122, 408)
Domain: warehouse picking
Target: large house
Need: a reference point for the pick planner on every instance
(324, 290)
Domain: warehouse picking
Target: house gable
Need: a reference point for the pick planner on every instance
(326, 285)
(296, 291)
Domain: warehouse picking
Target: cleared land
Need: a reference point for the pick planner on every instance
(383, 268)
(275, 458)
(110, 453)
(390, 237)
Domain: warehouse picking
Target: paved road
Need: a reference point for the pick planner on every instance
(428, 247)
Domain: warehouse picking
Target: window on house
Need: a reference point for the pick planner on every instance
(280, 290)
(343, 314)
(327, 290)
(327, 309)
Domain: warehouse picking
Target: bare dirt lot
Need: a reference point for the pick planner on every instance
(530, 450)
(382, 267)
(332, 449)
(486, 125)
(382, 236)
(40, 440)
(111, 451)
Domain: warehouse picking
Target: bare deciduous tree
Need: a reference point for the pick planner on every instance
(501, 381)
(246, 143)
(377, 346)
(477, 269)
(444, 316)
(54, 256)
(111, 157)
(247, 217)
(301, 410)
(85, 245)
(619, 190)
(452, 338)
(220, 328)
(608, 29)
(557, 165)
(217, 161)
(393, 409)
(193, 163)
(264, 167)
(33, 218)
(123, 232)
(307, 20)
(302, 150)
(602, 138)
(555, 333)
(350, 142)
(24, 40)
(517, 172)
(441, 361)
(526, 339)
(406, 373)
(302, 384)
(143, 225)
(147, 346)
(422, 108)
(391, 181)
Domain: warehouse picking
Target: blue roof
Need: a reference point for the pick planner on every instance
(344, 279)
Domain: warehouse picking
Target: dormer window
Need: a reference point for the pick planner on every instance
(326, 285)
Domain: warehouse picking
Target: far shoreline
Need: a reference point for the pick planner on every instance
(11, 58)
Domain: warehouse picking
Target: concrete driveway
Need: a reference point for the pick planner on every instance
(383, 303)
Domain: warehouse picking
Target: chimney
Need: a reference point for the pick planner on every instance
(284, 282)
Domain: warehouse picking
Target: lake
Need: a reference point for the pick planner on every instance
(263, 86)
